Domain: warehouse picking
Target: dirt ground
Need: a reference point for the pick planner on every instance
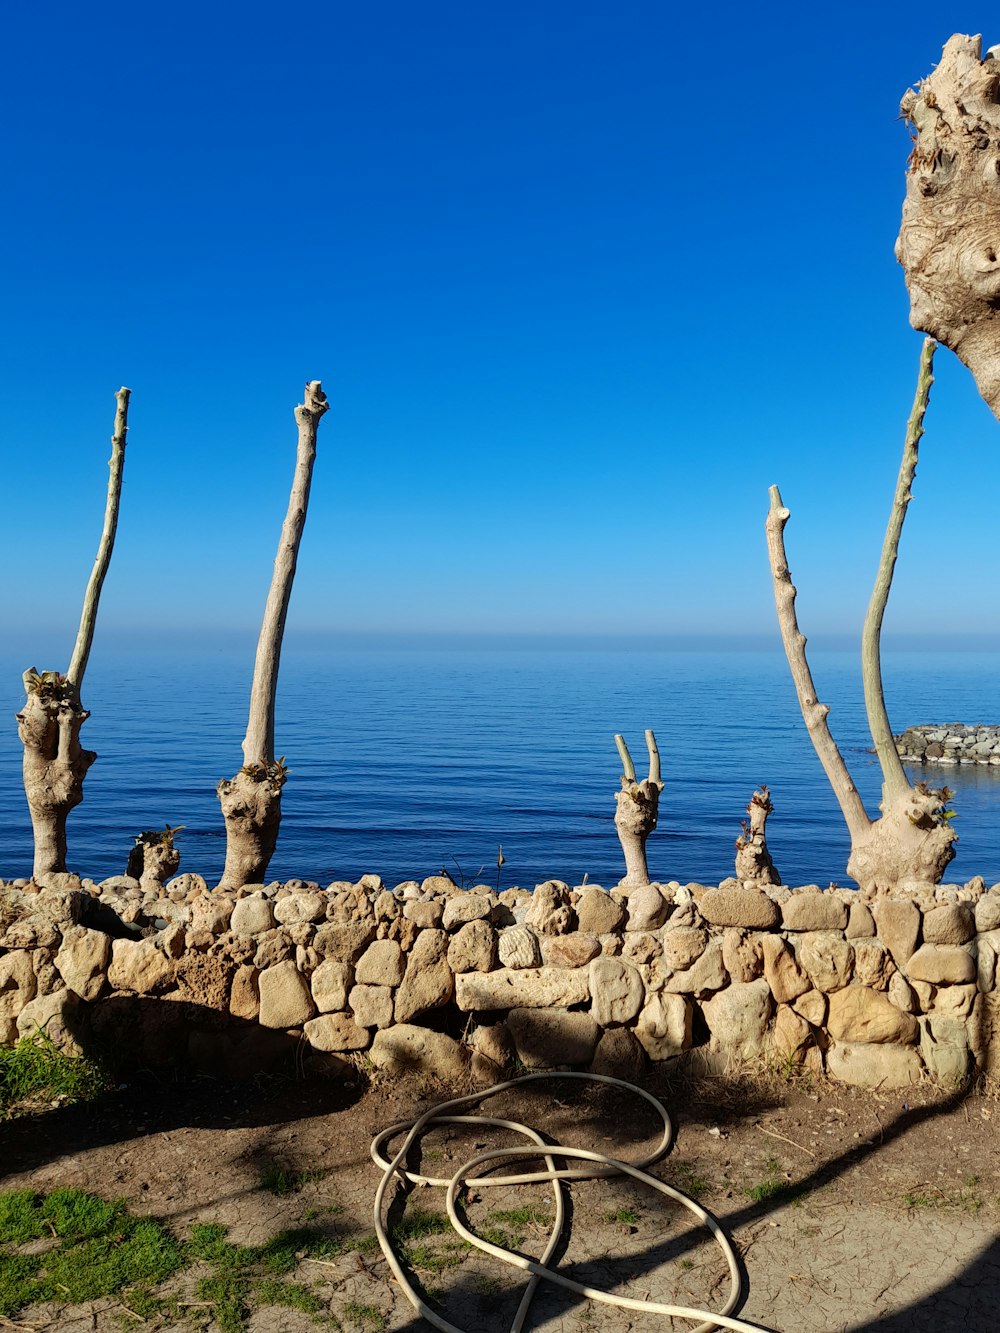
(874, 1213)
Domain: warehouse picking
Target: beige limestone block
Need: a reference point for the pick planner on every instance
(873, 965)
(941, 965)
(330, 983)
(827, 958)
(683, 947)
(619, 1055)
(285, 1001)
(898, 924)
(371, 1006)
(954, 1001)
(464, 907)
(597, 912)
(791, 1034)
(861, 923)
(812, 1007)
(902, 994)
(743, 954)
(523, 988)
(473, 947)
(749, 908)
(252, 916)
(212, 912)
(137, 965)
(425, 914)
(953, 923)
(550, 911)
(336, 1032)
(428, 982)
(738, 1017)
(407, 1049)
(55, 1015)
(517, 946)
(988, 911)
(244, 997)
(574, 950)
(647, 908)
(944, 1045)
(859, 1014)
(707, 974)
(616, 991)
(874, 1066)
(814, 911)
(381, 964)
(548, 1038)
(665, 1025)
(781, 971)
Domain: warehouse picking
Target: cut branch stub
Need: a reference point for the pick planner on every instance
(637, 810)
(753, 860)
(949, 238)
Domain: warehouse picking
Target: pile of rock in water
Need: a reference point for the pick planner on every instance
(954, 743)
(457, 983)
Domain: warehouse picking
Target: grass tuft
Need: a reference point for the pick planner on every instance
(36, 1072)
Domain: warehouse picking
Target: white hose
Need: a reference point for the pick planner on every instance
(600, 1167)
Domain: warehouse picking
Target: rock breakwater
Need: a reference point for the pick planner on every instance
(953, 743)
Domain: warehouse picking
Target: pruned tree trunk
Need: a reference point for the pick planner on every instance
(912, 842)
(154, 859)
(635, 817)
(251, 801)
(949, 239)
(753, 860)
(55, 764)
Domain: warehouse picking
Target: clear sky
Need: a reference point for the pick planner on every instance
(580, 279)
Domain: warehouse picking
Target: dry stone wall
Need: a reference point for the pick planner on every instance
(459, 983)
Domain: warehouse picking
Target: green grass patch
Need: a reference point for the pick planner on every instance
(771, 1186)
(278, 1179)
(97, 1249)
(429, 1259)
(418, 1223)
(36, 1072)
(367, 1316)
(626, 1216)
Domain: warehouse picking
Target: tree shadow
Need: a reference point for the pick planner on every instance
(178, 1064)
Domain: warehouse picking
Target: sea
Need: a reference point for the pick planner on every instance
(409, 761)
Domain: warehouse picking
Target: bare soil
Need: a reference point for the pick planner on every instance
(868, 1212)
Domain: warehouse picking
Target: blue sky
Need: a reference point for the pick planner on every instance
(581, 280)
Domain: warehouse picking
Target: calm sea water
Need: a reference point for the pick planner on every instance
(404, 762)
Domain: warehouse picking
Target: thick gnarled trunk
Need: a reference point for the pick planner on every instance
(55, 765)
(949, 237)
(637, 812)
(251, 801)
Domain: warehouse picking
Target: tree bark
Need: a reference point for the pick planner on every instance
(251, 801)
(949, 238)
(894, 783)
(636, 813)
(55, 764)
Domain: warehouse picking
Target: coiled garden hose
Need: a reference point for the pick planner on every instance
(599, 1166)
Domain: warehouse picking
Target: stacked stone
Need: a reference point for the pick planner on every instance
(874, 995)
(954, 743)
